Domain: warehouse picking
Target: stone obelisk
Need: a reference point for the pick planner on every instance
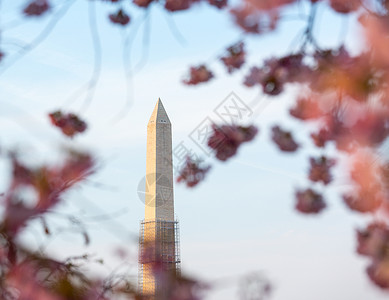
(159, 231)
(159, 199)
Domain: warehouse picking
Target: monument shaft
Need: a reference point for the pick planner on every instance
(159, 168)
(158, 243)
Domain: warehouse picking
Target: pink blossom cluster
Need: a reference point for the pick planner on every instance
(36, 8)
(192, 172)
(226, 139)
(70, 124)
(373, 242)
(369, 193)
(320, 169)
(198, 75)
(309, 201)
(120, 17)
(235, 57)
(284, 139)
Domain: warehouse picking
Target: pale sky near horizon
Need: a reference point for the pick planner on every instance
(241, 219)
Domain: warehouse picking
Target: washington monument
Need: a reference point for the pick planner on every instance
(158, 241)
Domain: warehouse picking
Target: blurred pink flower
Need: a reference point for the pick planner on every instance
(320, 169)
(70, 124)
(235, 57)
(226, 139)
(218, 3)
(284, 139)
(120, 18)
(306, 109)
(142, 3)
(374, 240)
(198, 75)
(309, 202)
(275, 73)
(345, 7)
(192, 172)
(176, 5)
(36, 8)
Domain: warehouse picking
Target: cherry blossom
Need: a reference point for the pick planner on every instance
(384, 174)
(120, 18)
(21, 174)
(369, 191)
(192, 172)
(375, 27)
(309, 201)
(198, 75)
(254, 21)
(345, 7)
(306, 109)
(325, 60)
(176, 5)
(36, 8)
(320, 169)
(70, 124)
(253, 78)
(335, 129)
(269, 5)
(372, 128)
(364, 200)
(218, 3)
(284, 139)
(330, 66)
(291, 67)
(38, 277)
(243, 17)
(275, 73)
(354, 76)
(374, 240)
(22, 278)
(321, 138)
(271, 85)
(235, 57)
(226, 139)
(33, 275)
(48, 184)
(143, 3)
(378, 272)
(365, 170)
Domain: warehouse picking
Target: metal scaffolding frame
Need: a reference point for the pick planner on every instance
(159, 242)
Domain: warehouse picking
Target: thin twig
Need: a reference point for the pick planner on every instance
(368, 9)
(127, 68)
(1, 30)
(40, 38)
(309, 39)
(174, 29)
(97, 56)
(27, 117)
(145, 43)
(14, 42)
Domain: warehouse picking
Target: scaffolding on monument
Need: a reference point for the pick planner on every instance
(159, 242)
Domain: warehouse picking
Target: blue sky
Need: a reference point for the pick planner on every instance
(241, 219)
